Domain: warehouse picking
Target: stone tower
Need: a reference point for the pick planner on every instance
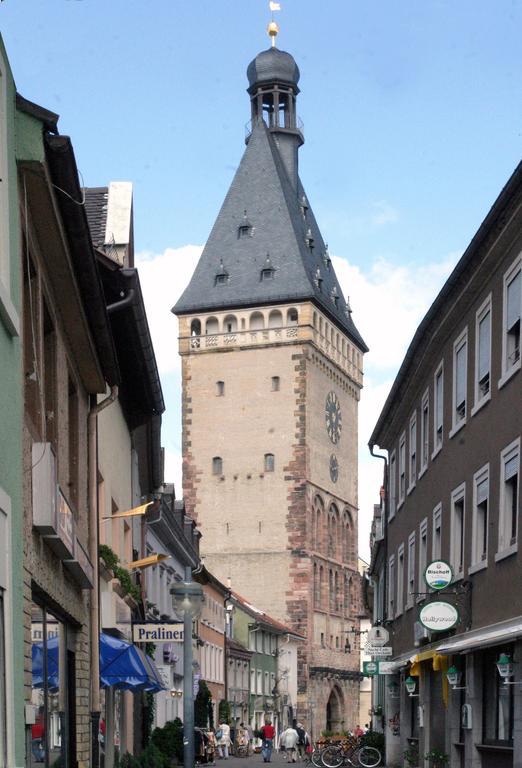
(272, 373)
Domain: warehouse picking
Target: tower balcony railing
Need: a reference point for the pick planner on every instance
(261, 336)
(299, 127)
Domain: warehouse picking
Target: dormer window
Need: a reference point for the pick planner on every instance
(268, 271)
(309, 239)
(318, 280)
(333, 295)
(304, 206)
(221, 276)
(245, 229)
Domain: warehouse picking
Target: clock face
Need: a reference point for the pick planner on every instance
(334, 420)
(334, 468)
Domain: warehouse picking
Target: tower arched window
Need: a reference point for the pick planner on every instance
(230, 324)
(195, 328)
(269, 462)
(217, 465)
(337, 592)
(211, 326)
(346, 595)
(275, 319)
(321, 586)
(292, 317)
(257, 321)
(331, 592)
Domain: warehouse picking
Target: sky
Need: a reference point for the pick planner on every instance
(412, 117)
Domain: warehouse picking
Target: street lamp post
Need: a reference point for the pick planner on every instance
(187, 596)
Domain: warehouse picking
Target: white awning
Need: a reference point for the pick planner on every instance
(495, 634)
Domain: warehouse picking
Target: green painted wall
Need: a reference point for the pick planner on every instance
(264, 662)
(11, 428)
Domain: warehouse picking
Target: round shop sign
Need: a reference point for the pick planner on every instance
(438, 616)
(438, 574)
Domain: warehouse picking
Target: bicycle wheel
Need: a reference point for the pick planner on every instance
(332, 757)
(368, 757)
(315, 759)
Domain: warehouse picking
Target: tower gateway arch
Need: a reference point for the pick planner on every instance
(271, 374)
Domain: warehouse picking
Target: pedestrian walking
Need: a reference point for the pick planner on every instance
(223, 740)
(301, 740)
(267, 735)
(288, 740)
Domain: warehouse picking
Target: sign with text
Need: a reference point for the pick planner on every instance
(387, 668)
(157, 633)
(370, 668)
(378, 636)
(438, 574)
(438, 616)
(378, 650)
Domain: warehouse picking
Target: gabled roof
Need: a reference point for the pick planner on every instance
(282, 226)
(263, 618)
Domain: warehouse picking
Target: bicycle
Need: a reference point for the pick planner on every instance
(337, 755)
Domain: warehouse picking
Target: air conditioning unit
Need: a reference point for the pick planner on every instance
(420, 634)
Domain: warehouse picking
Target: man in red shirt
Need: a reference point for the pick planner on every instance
(268, 735)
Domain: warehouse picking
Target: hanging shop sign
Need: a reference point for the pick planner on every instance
(378, 650)
(157, 633)
(387, 668)
(438, 616)
(438, 575)
(370, 668)
(378, 636)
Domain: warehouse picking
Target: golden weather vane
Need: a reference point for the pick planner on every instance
(273, 29)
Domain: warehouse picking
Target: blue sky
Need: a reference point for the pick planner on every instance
(413, 123)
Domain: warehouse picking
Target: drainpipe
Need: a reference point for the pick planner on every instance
(371, 446)
(92, 432)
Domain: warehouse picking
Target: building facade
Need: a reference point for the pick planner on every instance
(11, 387)
(272, 373)
(210, 629)
(452, 427)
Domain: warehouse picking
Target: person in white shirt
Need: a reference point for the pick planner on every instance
(288, 740)
(223, 742)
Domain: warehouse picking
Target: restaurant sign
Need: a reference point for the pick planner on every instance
(438, 574)
(438, 616)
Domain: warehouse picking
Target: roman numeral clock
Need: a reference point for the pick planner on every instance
(334, 425)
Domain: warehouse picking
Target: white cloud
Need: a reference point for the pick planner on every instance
(163, 278)
(384, 213)
(388, 302)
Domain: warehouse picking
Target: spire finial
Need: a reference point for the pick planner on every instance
(272, 28)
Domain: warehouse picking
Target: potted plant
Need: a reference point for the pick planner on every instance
(437, 759)
(411, 756)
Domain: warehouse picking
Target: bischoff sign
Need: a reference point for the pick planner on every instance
(438, 616)
(438, 574)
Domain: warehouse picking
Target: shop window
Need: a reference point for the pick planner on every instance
(438, 408)
(509, 492)
(53, 695)
(497, 701)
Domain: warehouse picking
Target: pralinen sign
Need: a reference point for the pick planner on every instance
(438, 616)
(438, 574)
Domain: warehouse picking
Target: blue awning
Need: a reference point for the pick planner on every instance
(122, 666)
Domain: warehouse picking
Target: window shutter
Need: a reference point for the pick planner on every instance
(511, 467)
(482, 491)
(513, 301)
(484, 345)
(460, 365)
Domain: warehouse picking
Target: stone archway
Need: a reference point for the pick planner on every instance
(335, 711)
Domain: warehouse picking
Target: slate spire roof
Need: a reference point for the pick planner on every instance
(281, 224)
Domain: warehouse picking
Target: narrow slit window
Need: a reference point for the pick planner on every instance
(220, 388)
(276, 383)
(217, 465)
(269, 462)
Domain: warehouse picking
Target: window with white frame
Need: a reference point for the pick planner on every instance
(391, 587)
(252, 681)
(460, 378)
(413, 451)
(479, 536)
(425, 430)
(402, 468)
(399, 603)
(423, 553)
(436, 539)
(512, 312)
(411, 568)
(483, 352)
(260, 681)
(509, 493)
(393, 484)
(267, 684)
(438, 408)
(458, 501)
